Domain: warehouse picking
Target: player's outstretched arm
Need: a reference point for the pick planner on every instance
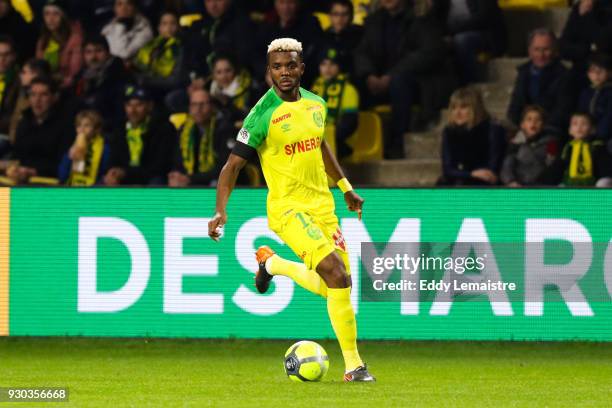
(225, 185)
(333, 170)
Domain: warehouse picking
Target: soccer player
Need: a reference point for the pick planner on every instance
(285, 128)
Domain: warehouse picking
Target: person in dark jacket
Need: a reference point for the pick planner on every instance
(588, 29)
(290, 21)
(543, 81)
(9, 90)
(532, 153)
(402, 56)
(12, 24)
(473, 146)
(342, 35)
(596, 99)
(475, 26)
(141, 151)
(43, 135)
(101, 82)
(223, 29)
(204, 143)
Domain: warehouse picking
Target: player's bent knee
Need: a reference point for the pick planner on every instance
(332, 270)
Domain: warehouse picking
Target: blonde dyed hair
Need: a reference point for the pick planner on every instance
(285, 45)
(472, 99)
(92, 115)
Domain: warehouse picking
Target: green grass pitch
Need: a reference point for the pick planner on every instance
(235, 373)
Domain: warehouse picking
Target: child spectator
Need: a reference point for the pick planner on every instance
(86, 162)
(60, 43)
(597, 98)
(129, 31)
(584, 160)
(341, 96)
(472, 144)
(160, 63)
(532, 154)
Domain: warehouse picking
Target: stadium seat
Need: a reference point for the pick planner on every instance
(367, 141)
(532, 4)
(188, 19)
(177, 119)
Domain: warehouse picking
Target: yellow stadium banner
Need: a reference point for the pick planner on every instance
(5, 207)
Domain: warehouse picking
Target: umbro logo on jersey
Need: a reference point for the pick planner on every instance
(281, 118)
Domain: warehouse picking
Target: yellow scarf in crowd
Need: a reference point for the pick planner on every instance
(206, 153)
(581, 163)
(135, 142)
(159, 56)
(5, 81)
(2, 88)
(93, 159)
(331, 91)
(52, 54)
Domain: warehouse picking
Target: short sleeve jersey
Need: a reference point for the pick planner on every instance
(287, 137)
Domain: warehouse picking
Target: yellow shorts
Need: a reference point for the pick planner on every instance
(312, 239)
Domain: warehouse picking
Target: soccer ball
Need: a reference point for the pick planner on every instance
(306, 361)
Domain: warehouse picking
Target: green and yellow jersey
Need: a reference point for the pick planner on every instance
(287, 137)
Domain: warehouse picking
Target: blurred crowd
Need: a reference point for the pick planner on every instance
(153, 92)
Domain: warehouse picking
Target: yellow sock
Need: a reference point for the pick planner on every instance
(342, 319)
(308, 279)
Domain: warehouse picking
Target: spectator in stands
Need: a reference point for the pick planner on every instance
(60, 43)
(341, 96)
(12, 24)
(43, 135)
(128, 31)
(223, 29)
(290, 21)
(343, 35)
(584, 159)
(31, 69)
(473, 146)
(543, 81)
(402, 60)
(141, 151)
(532, 153)
(9, 91)
(232, 86)
(160, 65)
(205, 142)
(87, 160)
(588, 29)
(101, 82)
(596, 99)
(475, 27)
